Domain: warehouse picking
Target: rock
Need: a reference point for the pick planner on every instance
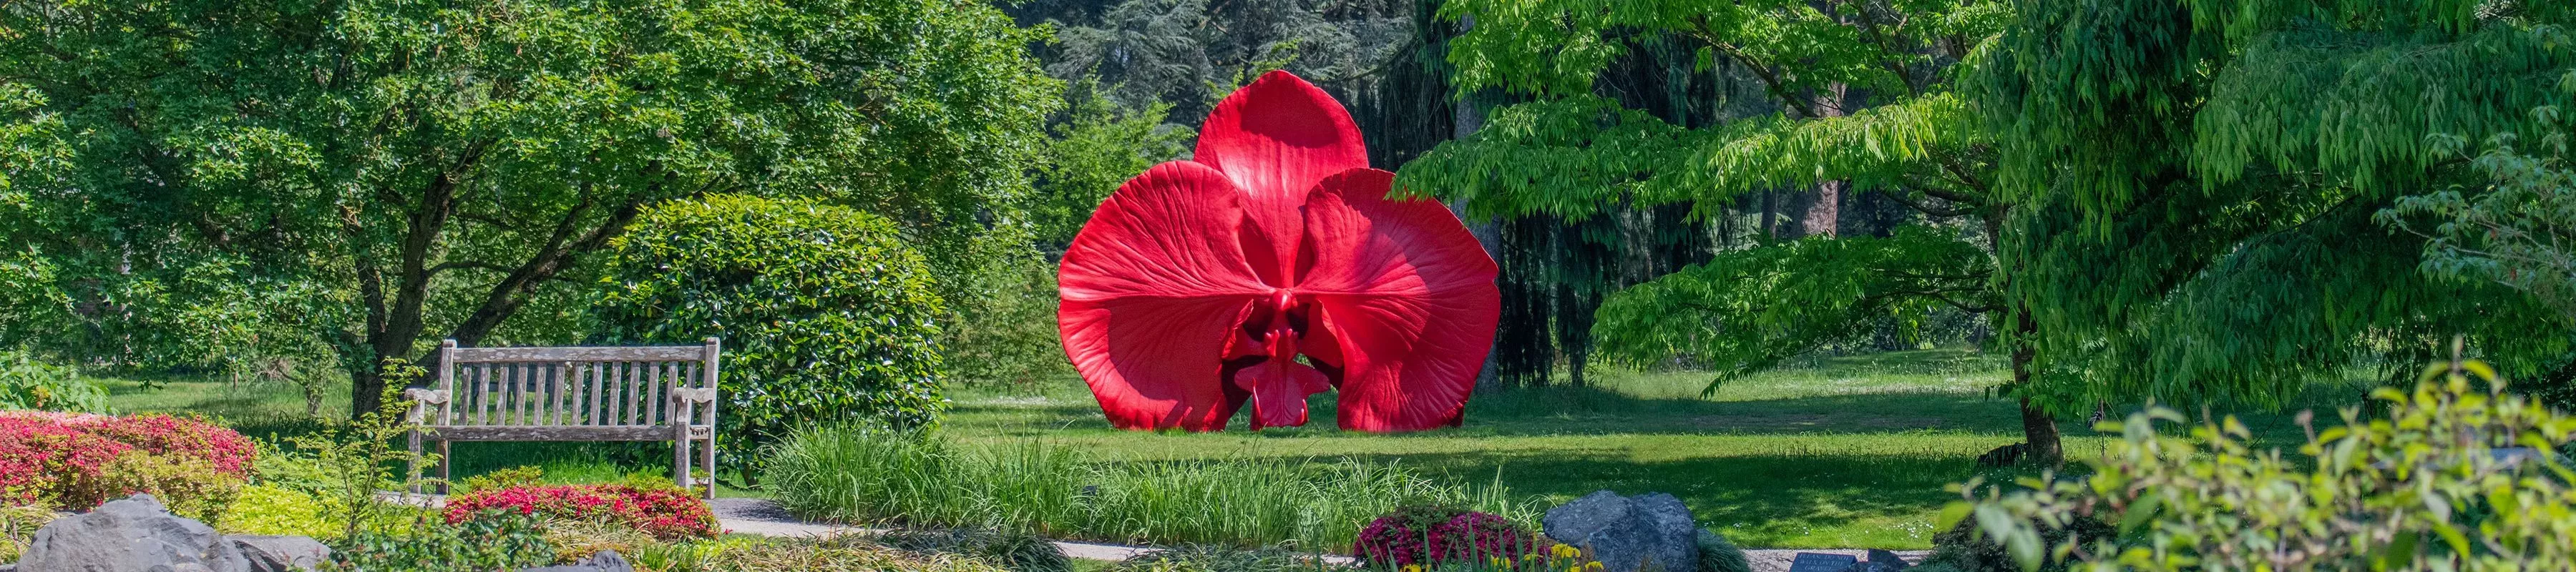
(604, 561)
(1645, 533)
(134, 534)
(280, 553)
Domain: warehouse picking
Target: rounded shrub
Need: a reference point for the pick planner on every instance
(825, 313)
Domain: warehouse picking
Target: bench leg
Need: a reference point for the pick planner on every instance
(707, 456)
(446, 467)
(414, 462)
(680, 458)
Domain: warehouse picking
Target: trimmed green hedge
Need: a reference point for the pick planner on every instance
(825, 313)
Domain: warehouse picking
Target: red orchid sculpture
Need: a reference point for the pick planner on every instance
(1198, 284)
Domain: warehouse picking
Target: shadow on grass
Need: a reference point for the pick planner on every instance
(1596, 411)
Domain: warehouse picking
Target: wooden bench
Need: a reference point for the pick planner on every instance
(642, 393)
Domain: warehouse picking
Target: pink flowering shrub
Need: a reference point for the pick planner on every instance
(664, 513)
(1431, 536)
(61, 459)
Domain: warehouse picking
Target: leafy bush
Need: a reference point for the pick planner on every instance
(826, 314)
(64, 459)
(665, 513)
(29, 384)
(872, 475)
(1965, 548)
(263, 509)
(1432, 536)
(1717, 554)
(520, 476)
(1018, 551)
(189, 486)
(494, 541)
(2451, 477)
(18, 524)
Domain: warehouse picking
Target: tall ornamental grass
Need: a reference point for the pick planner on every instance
(873, 475)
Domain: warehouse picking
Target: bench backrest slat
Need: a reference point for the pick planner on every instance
(579, 354)
(572, 387)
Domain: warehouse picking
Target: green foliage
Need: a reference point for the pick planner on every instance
(29, 384)
(858, 474)
(344, 463)
(2204, 173)
(265, 509)
(1012, 341)
(1716, 554)
(367, 177)
(520, 476)
(190, 486)
(1016, 551)
(1099, 145)
(2519, 227)
(2456, 474)
(826, 312)
(18, 525)
(1207, 558)
(493, 540)
(1748, 310)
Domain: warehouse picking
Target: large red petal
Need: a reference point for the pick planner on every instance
(1406, 295)
(1153, 288)
(1276, 138)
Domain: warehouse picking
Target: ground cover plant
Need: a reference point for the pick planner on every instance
(870, 474)
(2454, 474)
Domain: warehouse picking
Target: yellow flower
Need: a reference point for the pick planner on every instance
(1412, 568)
(1497, 561)
(1592, 567)
(1563, 551)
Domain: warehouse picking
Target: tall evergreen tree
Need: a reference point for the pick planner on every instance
(1866, 102)
(2211, 172)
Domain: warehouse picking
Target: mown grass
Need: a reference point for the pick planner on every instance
(868, 475)
(1839, 452)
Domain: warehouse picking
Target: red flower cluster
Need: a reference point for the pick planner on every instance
(55, 458)
(1421, 536)
(664, 513)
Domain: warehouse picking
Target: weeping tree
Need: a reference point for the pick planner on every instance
(2225, 188)
(1862, 97)
(416, 170)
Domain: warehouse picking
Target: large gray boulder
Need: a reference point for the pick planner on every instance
(1645, 533)
(603, 561)
(280, 553)
(134, 534)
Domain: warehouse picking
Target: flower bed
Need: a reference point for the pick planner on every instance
(1430, 536)
(63, 459)
(663, 513)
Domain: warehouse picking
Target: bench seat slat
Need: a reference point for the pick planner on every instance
(560, 433)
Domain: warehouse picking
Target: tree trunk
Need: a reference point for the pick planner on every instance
(2038, 428)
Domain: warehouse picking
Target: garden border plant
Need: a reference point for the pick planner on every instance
(872, 474)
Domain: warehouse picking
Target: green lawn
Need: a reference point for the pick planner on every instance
(1843, 452)
(1837, 453)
